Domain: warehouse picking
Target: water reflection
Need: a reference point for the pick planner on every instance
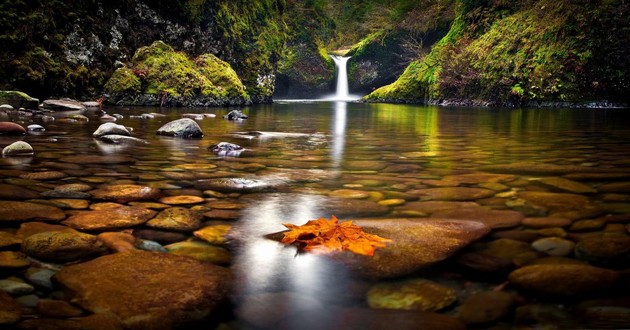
(339, 132)
(267, 266)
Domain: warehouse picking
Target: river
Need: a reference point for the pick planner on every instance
(402, 154)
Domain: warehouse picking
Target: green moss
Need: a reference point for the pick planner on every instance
(158, 70)
(123, 81)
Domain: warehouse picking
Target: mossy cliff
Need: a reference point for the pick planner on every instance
(69, 48)
(158, 75)
(523, 53)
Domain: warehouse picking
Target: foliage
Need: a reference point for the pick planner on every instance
(513, 52)
(329, 236)
(158, 69)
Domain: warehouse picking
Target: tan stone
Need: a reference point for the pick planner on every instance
(109, 219)
(214, 234)
(414, 294)
(147, 290)
(62, 246)
(24, 211)
(176, 218)
(123, 193)
(10, 311)
(118, 241)
(562, 280)
(182, 199)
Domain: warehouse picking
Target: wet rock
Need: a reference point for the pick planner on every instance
(31, 228)
(118, 241)
(62, 246)
(545, 222)
(17, 99)
(492, 218)
(349, 193)
(177, 219)
(478, 178)
(65, 194)
(15, 287)
(110, 219)
(365, 165)
(185, 128)
(562, 205)
(605, 313)
(517, 235)
(111, 129)
(19, 148)
(242, 185)
(35, 128)
(486, 307)
(214, 234)
(169, 291)
(483, 264)
(122, 140)
(57, 309)
(453, 193)
(554, 246)
(416, 244)
(565, 280)
(13, 260)
(181, 200)
(607, 251)
(163, 237)
(430, 207)
(44, 175)
(10, 311)
(615, 187)
(152, 246)
(222, 214)
(24, 211)
(414, 294)
(9, 128)
(95, 159)
(586, 225)
(201, 251)
(541, 168)
(519, 253)
(566, 185)
(402, 168)
(235, 115)
(94, 321)
(9, 191)
(123, 193)
(226, 149)
(40, 277)
(8, 239)
(63, 105)
(544, 314)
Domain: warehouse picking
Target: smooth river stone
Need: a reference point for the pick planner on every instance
(201, 251)
(169, 291)
(8, 239)
(214, 234)
(181, 199)
(566, 185)
(62, 246)
(10, 311)
(545, 222)
(615, 187)
(45, 175)
(477, 178)
(18, 148)
(563, 280)
(240, 185)
(365, 165)
(453, 193)
(111, 129)
(607, 251)
(429, 207)
(9, 191)
(177, 219)
(24, 211)
(562, 205)
(486, 307)
(95, 159)
(416, 244)
(413, 294)
(554, 246)
(110, 219)
(492, 218)
(349, 193)
(123, 193)
(183, 128)
(9, 128)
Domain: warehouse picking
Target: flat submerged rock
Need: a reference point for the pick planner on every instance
(147, 290)
(110, 219)
(416, 244)
(25, 211)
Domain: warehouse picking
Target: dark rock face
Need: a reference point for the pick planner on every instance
(235, 115)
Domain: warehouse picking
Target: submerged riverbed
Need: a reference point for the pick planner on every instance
(500, 217)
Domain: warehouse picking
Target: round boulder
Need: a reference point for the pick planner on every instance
(184, 128)
(111, 129)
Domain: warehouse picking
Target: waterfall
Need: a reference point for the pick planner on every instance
(342, 93)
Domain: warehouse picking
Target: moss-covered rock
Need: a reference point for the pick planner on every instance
(531, 53)
(306, 71)
(159, 75)
(18, 99)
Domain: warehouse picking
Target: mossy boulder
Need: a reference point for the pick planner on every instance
(18, 100)
(306, 71)
(159, 75)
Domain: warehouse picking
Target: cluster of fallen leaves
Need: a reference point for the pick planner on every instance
(327, 236)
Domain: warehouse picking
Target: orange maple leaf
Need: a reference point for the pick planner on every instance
(328, 236)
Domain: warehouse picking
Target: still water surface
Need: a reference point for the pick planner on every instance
(344, 146)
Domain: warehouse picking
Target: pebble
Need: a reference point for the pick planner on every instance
(35, 128)
(554, 246)
(486, 307)
(606, 251)
(40, 277)
(15, 287)
(181, 200)
(19, 148)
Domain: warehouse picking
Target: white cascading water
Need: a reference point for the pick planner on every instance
(342, 93)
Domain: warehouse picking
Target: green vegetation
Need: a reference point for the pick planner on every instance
(159, 70)
(511, 53)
